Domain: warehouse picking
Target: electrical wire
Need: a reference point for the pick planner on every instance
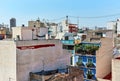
(92, 17)
(58, 19)
(104, 16)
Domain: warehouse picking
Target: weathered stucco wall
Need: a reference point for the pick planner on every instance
(34, 60)
(15, 63)
(103, 58)
(15, 32)
(29, 33)
(7, 61)
(115, 69)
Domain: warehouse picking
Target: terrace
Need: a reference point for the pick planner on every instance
(86, 49)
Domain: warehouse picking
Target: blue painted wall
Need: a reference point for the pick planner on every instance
(85, 61)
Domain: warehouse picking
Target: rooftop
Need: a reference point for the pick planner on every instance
(58, 75)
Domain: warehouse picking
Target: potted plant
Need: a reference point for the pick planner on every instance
(79, 64)
(89, 74)
(89, 64)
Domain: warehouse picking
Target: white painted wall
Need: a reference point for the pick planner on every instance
(115, 69)
(65, 28)
(26, 33)
(59, 35)
(118, 27)
(42, 31)
(54, 30)
(111, 25)
(16, 31)
(7, 61)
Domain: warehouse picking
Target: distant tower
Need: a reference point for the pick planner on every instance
(12, 22)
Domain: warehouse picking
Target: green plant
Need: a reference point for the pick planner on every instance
(89, 74)
(86, 49)
(90, 64)
(79, 63)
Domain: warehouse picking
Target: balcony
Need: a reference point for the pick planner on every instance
(68, 42)
(90, 65)
(86, 49)
(90, 75)
(80, 64)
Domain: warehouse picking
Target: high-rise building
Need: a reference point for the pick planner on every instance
(12, 22)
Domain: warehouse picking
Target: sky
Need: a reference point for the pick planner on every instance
(25, 10)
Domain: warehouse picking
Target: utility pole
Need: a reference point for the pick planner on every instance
(66, 20)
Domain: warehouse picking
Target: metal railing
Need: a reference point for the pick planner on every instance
(71, 42)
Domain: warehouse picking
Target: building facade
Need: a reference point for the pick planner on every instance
(91, 61)
(36, 23)
(85, 59)
(68, 44)
(12, 22)
(19, 58)
(73, 28)
(29, 33)
(115, 26)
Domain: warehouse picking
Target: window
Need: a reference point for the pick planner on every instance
(90, 60)
(79, 63)
(34, 25)
(66, 38)
(80, 59)
(65, 47)
(70, 47)
(90, 63)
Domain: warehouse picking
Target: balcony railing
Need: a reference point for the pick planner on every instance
(69, 42)
(83, 54)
